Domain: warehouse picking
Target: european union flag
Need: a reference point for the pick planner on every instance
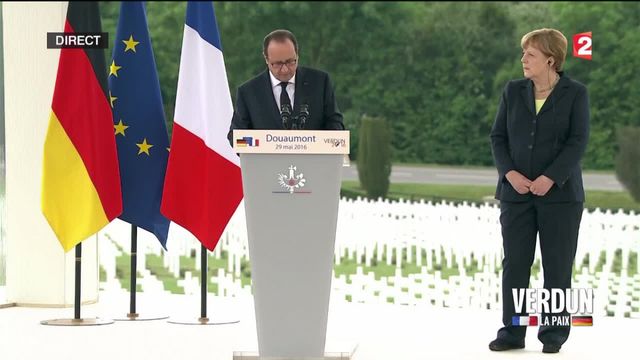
(139, 122)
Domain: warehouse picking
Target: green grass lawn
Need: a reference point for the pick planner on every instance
(123, 272)
(613, 200)
(381, 269)
(156, 267)
(348, 268)
(188, 263)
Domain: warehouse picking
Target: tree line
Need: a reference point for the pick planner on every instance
(433, 70)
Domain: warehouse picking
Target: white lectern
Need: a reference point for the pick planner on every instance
(291, 182)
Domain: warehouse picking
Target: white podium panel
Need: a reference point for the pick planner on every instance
(291, 204)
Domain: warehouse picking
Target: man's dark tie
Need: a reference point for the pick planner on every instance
(284, 96)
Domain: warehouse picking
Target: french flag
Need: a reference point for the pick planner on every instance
(524, 321)
(203, 185)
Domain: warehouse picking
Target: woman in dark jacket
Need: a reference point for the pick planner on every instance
(538, 139)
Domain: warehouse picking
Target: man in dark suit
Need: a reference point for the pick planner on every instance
(286, 86)
(538, 139)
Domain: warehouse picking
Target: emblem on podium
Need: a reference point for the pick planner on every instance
(291, 181)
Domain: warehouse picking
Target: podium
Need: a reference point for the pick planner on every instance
(291, 181)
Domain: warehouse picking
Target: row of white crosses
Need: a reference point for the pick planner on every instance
(468, 230)
(181, 245)
(372, 232)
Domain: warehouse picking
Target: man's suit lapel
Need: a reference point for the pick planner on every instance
(302, 90)
(269, 101)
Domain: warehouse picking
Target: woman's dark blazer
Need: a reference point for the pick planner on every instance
(550, 143)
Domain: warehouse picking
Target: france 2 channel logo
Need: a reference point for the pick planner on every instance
(582, 45)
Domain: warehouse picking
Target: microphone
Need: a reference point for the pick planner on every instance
(285, 114)
(303, 116)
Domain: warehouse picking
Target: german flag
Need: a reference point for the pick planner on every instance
(81, 181)
(581, 321)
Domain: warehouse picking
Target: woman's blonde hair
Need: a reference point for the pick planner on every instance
(550, 42)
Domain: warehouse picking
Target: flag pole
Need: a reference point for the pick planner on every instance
(202, 215)
(134, 265)
(77, 110)
(133, 314)
(203, 284)
(76, 303)
(77, 299)
(223, 319)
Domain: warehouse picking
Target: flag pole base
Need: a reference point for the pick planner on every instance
(77, 322)
(143, 317)
(205, 321)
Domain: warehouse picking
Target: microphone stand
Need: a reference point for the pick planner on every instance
(303, 116)
(285, 113)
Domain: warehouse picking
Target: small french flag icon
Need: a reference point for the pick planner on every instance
(524, 321)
